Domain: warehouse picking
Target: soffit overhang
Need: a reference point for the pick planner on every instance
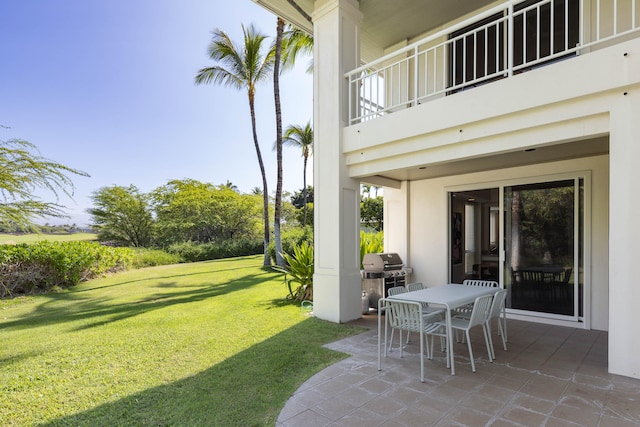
(386, 23)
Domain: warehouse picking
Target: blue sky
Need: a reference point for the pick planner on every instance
(106, 86)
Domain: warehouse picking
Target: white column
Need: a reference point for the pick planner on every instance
(624, 235)
(337, 287)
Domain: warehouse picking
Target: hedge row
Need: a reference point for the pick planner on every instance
(43, 266)
(192, 252)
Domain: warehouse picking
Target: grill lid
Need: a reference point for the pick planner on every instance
(382, 262)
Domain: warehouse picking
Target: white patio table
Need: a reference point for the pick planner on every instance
(449, 296)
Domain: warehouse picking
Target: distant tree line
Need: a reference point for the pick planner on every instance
(182, 211)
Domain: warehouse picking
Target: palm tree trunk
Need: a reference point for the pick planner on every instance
(276, 96)
(304, 191)
(265, 192)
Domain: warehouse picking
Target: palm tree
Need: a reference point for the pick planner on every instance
(286, 48)
(296, 42)
(230, 185)
(242, 67)
(301, 137)
(276, 96)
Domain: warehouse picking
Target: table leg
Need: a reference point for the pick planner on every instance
(380, 334)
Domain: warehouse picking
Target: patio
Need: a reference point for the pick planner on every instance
(550, 376)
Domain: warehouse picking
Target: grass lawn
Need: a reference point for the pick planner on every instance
(34, 237)
(209, 343)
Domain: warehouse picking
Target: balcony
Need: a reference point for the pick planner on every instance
(494, 44)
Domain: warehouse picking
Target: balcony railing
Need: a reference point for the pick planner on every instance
(510, 38)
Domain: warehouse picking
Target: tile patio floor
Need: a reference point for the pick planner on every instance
(550, 376)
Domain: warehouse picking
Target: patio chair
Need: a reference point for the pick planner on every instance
(395, 291)
(406, 316)
(497, 307)
(467, 309)
(430, 314)
(478, 317)
(488, 283)
(428, 311)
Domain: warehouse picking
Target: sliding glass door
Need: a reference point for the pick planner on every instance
(543, 247)
(529, 237)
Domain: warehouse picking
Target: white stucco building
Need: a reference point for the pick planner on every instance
(482, 120)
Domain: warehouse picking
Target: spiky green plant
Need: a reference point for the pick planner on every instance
(299, 270)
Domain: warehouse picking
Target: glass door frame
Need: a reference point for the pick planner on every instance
(582, 268)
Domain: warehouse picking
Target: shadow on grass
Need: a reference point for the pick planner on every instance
(248, 389)
(104, 310)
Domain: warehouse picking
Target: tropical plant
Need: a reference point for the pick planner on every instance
(292, 237)
(230, 186)
(302, 138)
(370, 243)
(122, 215)
(22, 171)
(299, 270)
(297, 42)
(242, 66)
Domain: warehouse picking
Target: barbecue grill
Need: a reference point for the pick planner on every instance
(381, 272)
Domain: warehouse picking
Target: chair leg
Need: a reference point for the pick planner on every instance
(422, 356)
(426, 343)
(486, 329)
(473, 364)
(503, 335)
(504, 326)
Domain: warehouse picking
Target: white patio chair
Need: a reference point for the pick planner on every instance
(426, 309)
(497, 307)
(395, 291)
(487, 283)
(502, 331)
(478, 317)
(406, 316)
(416, 286)
(430, 314)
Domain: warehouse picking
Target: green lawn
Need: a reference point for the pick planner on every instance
(33, 237)
(208, 343)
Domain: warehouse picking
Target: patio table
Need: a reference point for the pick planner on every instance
(449, 296)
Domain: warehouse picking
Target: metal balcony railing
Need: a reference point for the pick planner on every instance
(513, 37)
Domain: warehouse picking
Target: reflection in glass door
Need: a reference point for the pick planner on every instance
(543, 247)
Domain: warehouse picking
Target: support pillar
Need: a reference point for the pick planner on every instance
(336, 282)
(624, 235)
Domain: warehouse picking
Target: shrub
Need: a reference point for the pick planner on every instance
(291, 238)
(151, 257)
(370, 243)
(43, 266)
(191, 251)
(299, 270)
